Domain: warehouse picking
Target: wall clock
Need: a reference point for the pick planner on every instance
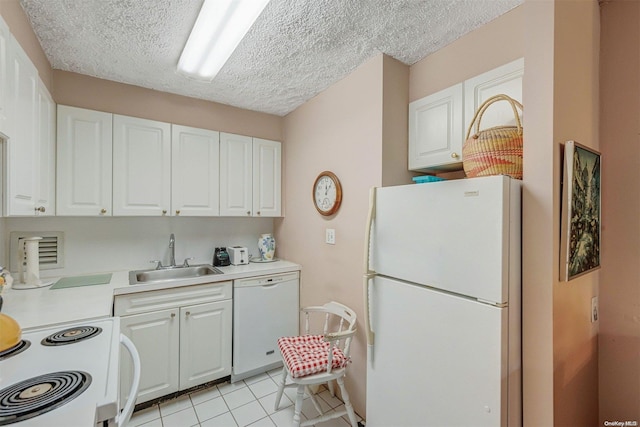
(327, 193)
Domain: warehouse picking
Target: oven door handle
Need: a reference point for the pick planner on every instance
(123, 418)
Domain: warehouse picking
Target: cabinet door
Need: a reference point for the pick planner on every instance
(205, 343)
(46, 189)
(21, 153)
(236, 192)
(141, 166)
(266, 177)
(5, 79)
(195, 176)
(435, 130)
(156, 338)
(507, 80)
(84, 162)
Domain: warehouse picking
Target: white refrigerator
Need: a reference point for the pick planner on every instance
(442, 299)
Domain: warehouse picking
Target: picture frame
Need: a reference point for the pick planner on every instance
(581, 211)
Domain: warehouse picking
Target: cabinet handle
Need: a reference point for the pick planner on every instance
(187, 314)
(454, 155)
(103, 211)
(258, 213)
(173, 315)
(40, 209)
(178, 212)
(249, 213)
(164, 211)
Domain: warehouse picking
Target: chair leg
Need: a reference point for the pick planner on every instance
(283, 380)
(331, 388)
(347, 403)
(298, 407)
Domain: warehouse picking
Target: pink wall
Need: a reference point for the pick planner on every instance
(575, 116)
(89, 92)
(339, 130)
(619, 339)
(20, 27)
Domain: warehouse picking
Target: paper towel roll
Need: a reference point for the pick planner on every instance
(32, 254)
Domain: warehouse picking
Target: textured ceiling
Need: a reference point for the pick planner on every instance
(295, 50)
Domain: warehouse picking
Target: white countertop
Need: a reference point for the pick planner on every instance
(33, 308)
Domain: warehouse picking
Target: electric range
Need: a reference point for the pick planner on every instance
(67, 375)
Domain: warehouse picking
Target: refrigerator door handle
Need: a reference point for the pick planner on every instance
(367, 236)
(367, 312)
(368, 273)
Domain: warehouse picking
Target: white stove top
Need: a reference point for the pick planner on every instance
(97, 356)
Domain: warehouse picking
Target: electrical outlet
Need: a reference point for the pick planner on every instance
(594, 309)
(330, 236)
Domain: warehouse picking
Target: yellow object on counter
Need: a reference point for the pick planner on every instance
(10, 332)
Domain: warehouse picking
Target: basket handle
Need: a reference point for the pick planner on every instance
(486, 104)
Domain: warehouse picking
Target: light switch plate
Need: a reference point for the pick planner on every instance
(594, 309)
(330, 237)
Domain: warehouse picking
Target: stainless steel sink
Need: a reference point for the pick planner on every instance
(141, 277)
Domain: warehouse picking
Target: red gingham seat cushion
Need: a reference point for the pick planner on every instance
(309, 354)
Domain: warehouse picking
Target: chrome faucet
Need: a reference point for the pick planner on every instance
(172, 251)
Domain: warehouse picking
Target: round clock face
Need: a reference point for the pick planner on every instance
(327, 193)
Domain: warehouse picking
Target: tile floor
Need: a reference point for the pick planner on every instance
(244, 403)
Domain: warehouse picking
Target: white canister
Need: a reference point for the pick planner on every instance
(32, 255)
(267, 246)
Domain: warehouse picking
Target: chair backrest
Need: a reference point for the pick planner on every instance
(339, 321)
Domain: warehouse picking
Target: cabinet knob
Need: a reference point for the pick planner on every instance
(40, 209)
(187, 314)
(173, 315)
(103, 211)
(258, 213)
(164, 211)
(249, 213)
(454, 155)
(178, 212)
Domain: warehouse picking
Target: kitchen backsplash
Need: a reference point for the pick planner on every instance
(123, 243)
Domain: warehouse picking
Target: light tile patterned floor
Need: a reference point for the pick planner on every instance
(244, 403)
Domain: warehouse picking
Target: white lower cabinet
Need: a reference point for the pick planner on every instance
(183, 336)
(202, 330)
(156, 337)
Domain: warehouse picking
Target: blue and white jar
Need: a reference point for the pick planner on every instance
(267, 247)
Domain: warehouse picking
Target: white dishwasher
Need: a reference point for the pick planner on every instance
(265, 308)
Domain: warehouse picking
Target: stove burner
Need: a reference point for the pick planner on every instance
(16, 349)
(41, 394)
(71, 335)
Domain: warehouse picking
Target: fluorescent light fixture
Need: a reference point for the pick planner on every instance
(217, 32)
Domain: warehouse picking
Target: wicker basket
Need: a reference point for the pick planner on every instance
(497, 150)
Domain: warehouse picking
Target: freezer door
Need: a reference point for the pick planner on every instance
(438, 360)
(462, 236)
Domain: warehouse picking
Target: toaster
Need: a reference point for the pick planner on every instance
(238, 255)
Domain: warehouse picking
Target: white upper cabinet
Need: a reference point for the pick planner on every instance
(5, 78)
(236, 175)
(46, 182)
(506, 80)
(141, 167)
(267, 180)
(84, 162)
(435, 130)
(21, 148)
(195, 179)
(438, 123)
(250, 176)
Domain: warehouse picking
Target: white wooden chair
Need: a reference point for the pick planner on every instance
(308, 361)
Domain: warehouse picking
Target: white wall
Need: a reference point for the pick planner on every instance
(120, 243)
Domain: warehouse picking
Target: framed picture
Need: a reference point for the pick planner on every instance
(580, 223)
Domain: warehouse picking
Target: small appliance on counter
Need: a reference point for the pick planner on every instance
(221, 257)
(238, 255)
